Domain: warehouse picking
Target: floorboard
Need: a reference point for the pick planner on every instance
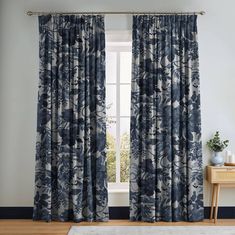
(25, 227)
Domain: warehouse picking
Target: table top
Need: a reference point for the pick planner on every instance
(219, 167)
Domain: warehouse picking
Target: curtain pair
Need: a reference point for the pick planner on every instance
(166, 161)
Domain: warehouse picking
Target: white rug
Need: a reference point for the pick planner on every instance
(152, 230)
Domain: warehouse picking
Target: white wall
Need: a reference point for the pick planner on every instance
(19, 77)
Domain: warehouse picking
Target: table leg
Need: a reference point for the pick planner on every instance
(212, 200)
(216, 202)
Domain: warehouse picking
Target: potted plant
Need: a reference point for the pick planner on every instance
(217, 146)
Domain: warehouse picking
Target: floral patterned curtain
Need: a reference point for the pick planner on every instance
(71, 180)
(166, 181)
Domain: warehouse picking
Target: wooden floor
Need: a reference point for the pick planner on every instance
(24, 227)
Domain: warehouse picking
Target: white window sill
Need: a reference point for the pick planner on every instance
(118, 190)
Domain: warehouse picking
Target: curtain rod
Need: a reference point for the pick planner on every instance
(33, 13)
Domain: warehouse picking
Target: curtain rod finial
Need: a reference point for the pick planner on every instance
(29, 13)
(202, 12)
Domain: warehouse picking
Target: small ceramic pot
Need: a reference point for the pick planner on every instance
(217, 159)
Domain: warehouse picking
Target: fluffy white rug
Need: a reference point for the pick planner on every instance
(152, 230)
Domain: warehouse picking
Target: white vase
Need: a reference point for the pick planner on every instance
(217, 159)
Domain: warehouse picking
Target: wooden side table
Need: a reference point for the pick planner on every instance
(223, 176)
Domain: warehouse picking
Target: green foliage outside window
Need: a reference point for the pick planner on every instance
(111, 158)
(124, 157)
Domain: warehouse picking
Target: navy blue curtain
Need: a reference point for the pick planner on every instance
(166, 181)
(71, 179)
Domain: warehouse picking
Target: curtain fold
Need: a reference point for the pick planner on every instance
(166, 181)
(71, 178)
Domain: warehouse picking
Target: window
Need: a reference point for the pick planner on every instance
(118, 94)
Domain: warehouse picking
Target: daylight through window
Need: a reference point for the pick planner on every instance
(118, 93)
